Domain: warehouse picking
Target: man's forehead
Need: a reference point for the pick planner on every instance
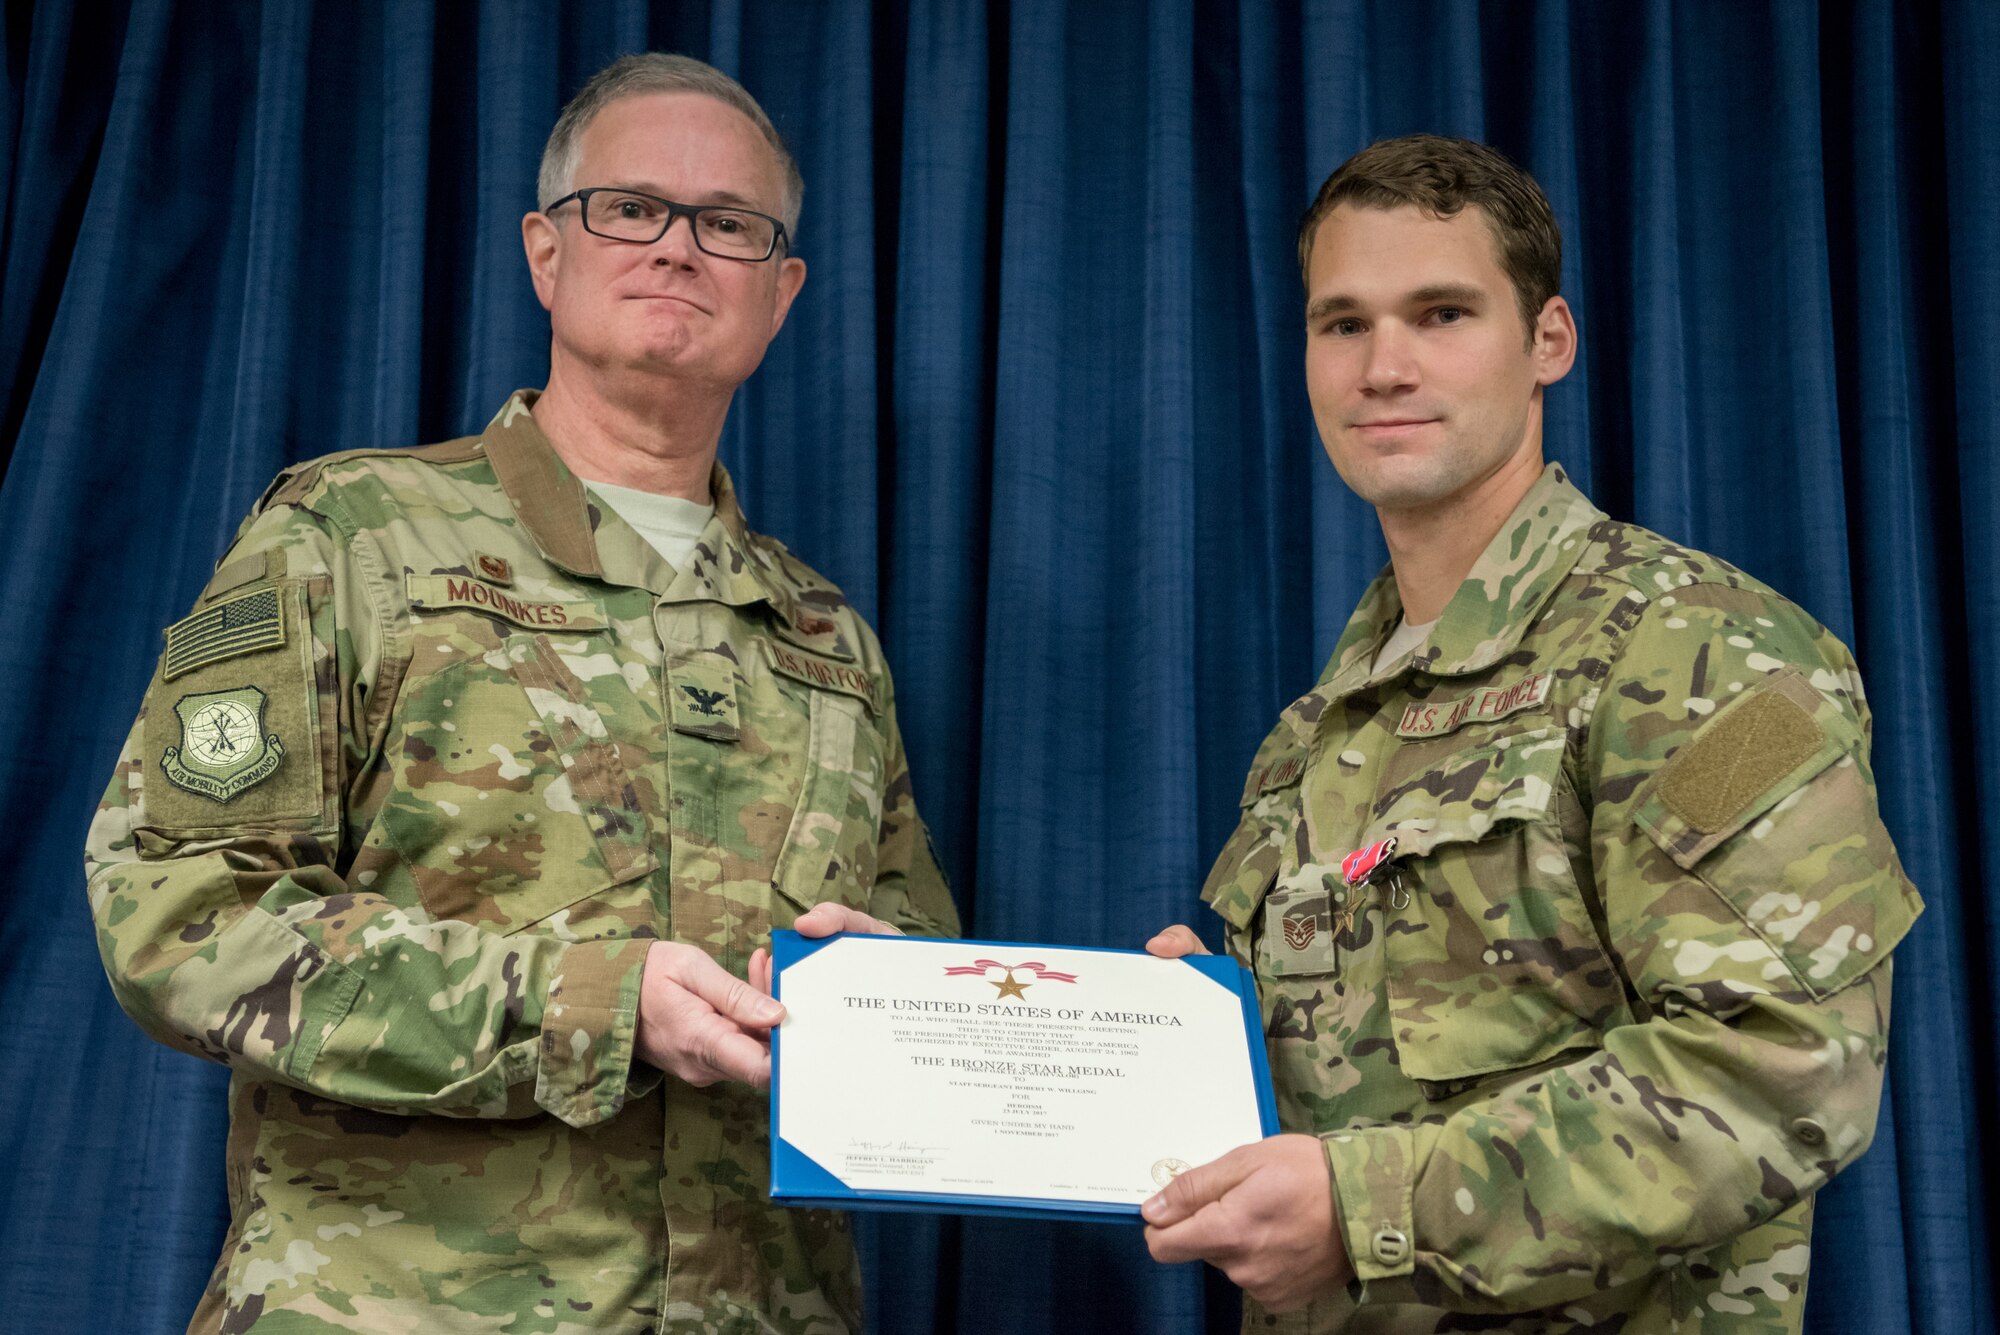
(1402, 252)
(666, 128)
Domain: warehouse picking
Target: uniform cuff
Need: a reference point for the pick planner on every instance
(1374, 1180)
(589, 1028)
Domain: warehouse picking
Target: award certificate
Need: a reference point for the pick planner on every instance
(982, 1077)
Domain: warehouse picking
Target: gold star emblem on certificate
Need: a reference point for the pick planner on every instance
(1010, 988)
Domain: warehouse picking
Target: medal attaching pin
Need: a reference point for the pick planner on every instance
(1365, 866)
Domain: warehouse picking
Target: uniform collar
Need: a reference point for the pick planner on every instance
(1509, 584)
(592, 541)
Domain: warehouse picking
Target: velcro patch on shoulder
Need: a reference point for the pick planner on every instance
(436, 593)
(1713, 781)
(248, 623)
(268, 565)
(826, 673)
(242, 743)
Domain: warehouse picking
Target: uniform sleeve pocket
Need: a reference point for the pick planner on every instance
(237, 734)
(1771, 806)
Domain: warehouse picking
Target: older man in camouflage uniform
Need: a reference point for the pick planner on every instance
(1572, 1052)
(460, 808)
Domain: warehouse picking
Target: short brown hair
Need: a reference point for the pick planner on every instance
(1441, 176)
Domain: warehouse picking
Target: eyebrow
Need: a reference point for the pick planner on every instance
(714, 196)
(1340, 303)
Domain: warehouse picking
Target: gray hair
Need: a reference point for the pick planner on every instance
(659, 72)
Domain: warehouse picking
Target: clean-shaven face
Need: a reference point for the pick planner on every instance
(668, 307)
(1422, 380)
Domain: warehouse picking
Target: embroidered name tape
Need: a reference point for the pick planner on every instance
(1280, 773)
(1435, 718)
(244, 624)
(435, 593)
(817, 671)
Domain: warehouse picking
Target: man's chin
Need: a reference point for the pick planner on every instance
(1408, 488)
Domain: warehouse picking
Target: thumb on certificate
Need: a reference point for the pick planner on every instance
(1175, 942)
(1186, 1194)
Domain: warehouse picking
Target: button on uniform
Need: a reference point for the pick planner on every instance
(1391, 1246)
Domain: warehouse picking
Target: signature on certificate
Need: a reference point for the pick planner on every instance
(891, 1147)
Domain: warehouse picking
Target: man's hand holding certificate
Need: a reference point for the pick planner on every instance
(975, 1077)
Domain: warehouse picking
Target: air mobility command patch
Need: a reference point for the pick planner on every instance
(244, 624)
(224, 748)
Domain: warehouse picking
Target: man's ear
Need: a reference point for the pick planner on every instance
(791, 277)
(542, 239)
(1554, 344)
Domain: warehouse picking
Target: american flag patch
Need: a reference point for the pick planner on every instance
(240, 625)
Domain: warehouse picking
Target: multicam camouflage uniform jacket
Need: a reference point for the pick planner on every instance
(442, 746)
(1581, 1052)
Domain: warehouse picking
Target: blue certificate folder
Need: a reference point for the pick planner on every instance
(797, 1180)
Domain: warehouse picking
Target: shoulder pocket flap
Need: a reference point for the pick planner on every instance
(1469, 795)
(1757, 751)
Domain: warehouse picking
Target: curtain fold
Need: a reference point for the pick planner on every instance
(1040, 410)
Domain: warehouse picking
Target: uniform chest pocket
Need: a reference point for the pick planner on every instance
(1495, 962)
(511, 798)
(830, 846)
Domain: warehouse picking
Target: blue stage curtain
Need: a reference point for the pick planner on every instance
(1040, 411)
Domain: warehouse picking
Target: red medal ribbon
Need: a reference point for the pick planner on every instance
(1362, 863)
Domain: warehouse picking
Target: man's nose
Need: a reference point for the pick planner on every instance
(676, 245)
(1392, 362)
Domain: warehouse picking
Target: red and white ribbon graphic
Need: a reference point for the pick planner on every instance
(1035, 966)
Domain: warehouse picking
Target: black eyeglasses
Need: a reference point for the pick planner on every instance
(722, 230)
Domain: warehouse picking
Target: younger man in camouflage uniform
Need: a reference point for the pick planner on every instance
(457, 812)
(1575, 1051)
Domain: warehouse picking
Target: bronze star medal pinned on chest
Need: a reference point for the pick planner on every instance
(224, 748)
